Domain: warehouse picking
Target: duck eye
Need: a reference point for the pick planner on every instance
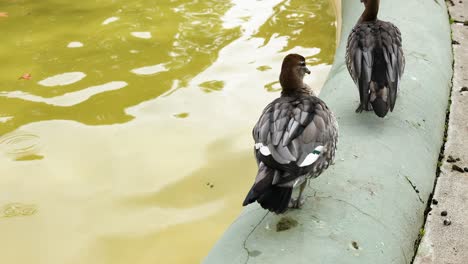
(302, 63)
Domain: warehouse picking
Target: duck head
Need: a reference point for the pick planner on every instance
(292, 74)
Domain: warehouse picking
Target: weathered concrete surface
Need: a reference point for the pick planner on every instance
(369, 206)
(458, 9)
(442, 243)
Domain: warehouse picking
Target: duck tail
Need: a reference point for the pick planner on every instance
(271, 197)
(379, 99)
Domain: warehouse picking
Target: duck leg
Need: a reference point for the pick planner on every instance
(297, 203)
(359, 109)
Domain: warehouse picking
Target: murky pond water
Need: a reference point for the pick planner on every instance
(125, 126)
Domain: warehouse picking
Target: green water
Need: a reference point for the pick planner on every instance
(131, 140)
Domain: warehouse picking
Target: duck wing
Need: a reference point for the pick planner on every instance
(296, 136)
(394, 57)
(374, 53)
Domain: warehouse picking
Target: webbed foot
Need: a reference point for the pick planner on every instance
(296, 203)
(359, 109)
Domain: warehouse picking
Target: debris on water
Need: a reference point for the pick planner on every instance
(435, 202)
(443, 213)
(447, 222)
(457, 168)
(26, 76)
(451, 159)
(285, 223)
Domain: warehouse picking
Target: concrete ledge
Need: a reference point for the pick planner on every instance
(446, 234)
(369, 206)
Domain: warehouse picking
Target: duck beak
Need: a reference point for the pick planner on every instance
(306, 70)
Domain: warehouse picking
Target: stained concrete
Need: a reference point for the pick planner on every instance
(448, 243)
(367, 207)
(458, 9)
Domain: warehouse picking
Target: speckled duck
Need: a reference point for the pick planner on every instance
(295, 140)
(375, 60)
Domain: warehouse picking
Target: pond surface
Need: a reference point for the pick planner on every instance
(125, 126)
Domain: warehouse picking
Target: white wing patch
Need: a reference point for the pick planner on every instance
(264, 150)
(312, 157)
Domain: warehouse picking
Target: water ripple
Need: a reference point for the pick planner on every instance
(20, 145)
(18, 209)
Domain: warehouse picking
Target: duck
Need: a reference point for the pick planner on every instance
(295, 140)
(375, 60)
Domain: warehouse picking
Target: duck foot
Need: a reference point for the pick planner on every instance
(359, 109)
(296, 203)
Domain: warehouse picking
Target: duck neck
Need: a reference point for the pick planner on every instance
(293, 86)
(371, 11)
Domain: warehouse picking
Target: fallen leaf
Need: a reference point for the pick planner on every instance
(3, 14)
(26, 76)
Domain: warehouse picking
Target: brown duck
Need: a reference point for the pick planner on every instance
(295, 140)
(375, 60)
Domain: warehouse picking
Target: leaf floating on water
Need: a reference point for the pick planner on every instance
(26, 76)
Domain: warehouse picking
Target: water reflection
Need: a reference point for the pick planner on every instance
(75, 44)
(305, 24)
(142, 35)
(149, 70)
(63, 79)
(110, 20)
(185, 47)
(68, 99)
(211, 86)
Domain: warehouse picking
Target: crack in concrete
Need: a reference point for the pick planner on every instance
(415, 189)
(248, 236)
(246, 214)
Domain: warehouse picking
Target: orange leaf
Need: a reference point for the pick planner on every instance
(26, 76)
(3, 14)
